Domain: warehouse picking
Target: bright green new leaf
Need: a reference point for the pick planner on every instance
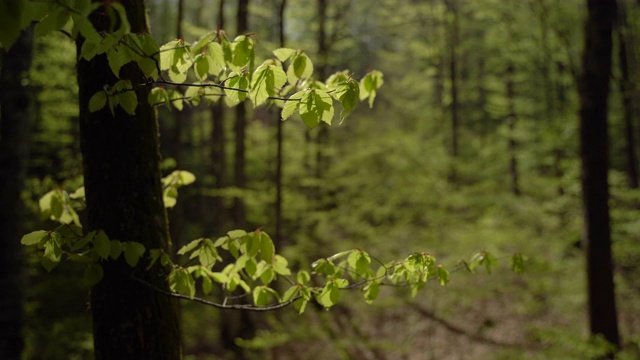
(52, 252)
(158, 96)
(324, 298)
(93, 273)
(280, 265)
(267, 275)
(239, 86)
(293, 104)
(202, 44)
(201, 67)
(133, 251)
(348, 94)
(371, 292)
(283, 54)
(129, 101)
(301, 68)
(251, 267)
(267, 80)
(243, 52)
(300, 305)
(369, 86)
(167, 54)
(291, 293)
(316, 106)
(267, 249)
(216, 55)
(443, 275)
(190, 246)
(33, 238)
(82, 25)
(235, 234)
(208, 254)
(219, 277)
(207, 285)
(260, 296)
(181, 281)
(175, 98)
(303, 277)
(101, 244)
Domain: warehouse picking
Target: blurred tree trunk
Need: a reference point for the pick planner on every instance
(511, 121)
(124, 198)
(626, 90)
(218, 150)
(594, 92)
(452, 13)
(279, 139)
(16, 116)
(239, 215)
(238, 324)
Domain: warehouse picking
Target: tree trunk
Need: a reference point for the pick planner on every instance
(453, 78)
(124, 198)
(626, 97)
(239, 215)
(279, 140)
(16, 106)
(511, 120)
(218, 156)
(594, 91)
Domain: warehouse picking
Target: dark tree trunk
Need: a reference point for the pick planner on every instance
(453, 78)
(279, 140)
(239, 215)
(323, 136)
(124, 198)
(511, 120)
(16, 105)
(594, 92)
(626, 89)
(218, 156)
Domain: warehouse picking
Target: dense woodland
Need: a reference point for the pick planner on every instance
(492, 132)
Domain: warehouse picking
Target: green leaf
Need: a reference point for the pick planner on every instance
(267, 80)
(260, 296)
(243, 52)
(82, 242)
(238, 84)
(300, 305)
(292, 105)
(10, 14)
(33, 238)
(207, 285)
(517, 263)
(181, 281)
(201, 67)
(55, 20)
(267, 249)
(291, 293)
(101, 244)
(216, 54)
(347, 93)
(301, 68)
(280, 265)
(92, 274)
(202, 44)
(52, 253)
(190, 246)
(303, 277)
(443, 275)
(84, 26)
(116, 249)
(235, 234)
(129, 101)
(369, 86)
(133, 251)
(267, 275)
(158, 96)
(316, 106)
(371, 292)
(251, 267)
(283, 54)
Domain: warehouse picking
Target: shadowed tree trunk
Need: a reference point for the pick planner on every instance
(279, 139)
(124, 198)
(218, 150)
(594, 92)
(239, 215)
(16, 105)
(511, 121)
(626, 89)
(452, 11)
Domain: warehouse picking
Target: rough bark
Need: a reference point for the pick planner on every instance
(16, 104)
(124, 198)
(594, 91)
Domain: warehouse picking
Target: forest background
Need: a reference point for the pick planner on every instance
(472, 145)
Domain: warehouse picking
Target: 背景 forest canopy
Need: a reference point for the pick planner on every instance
(226, 69)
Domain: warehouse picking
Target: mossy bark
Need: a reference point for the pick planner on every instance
(124, 198)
